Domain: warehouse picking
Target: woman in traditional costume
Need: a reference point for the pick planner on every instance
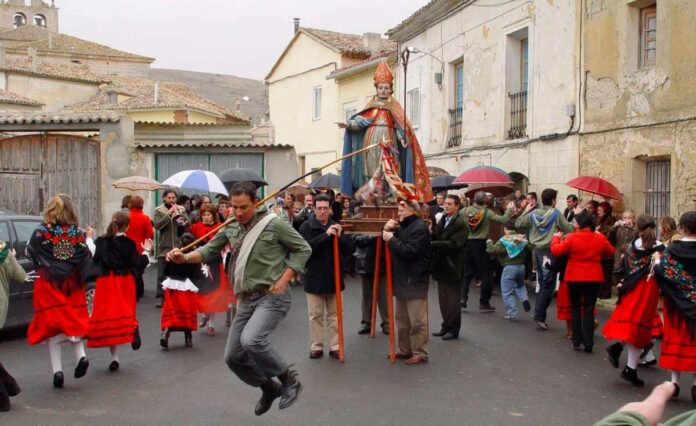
(635, 320)
(215, 296)
(113, 321)
(675, 271)
(181, 302)
(60, 253)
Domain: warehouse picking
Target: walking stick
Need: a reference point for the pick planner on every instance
(390, 302)
(339, 300)
(375, 287)
(273, 195)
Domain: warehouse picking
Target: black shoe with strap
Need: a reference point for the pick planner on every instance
(271, 390)
(58, 379)
(10, 383)
(291, 388)
(631, 375)
(81, 368)
(614, 352)
(137, 342)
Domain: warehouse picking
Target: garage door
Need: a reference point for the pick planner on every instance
(168, 164)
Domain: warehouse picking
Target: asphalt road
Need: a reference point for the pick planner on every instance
(496, 373)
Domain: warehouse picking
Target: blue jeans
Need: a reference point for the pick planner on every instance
(511, 285)
(249, 353)
(547, 283)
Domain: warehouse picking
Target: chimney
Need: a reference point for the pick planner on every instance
(112, 96)
(373, 43)
(156, 97)
(2, 54)
(296, 23)
(33, 58)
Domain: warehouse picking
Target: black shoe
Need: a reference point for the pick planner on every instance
(158, 304)
(164, 338)
(10, 383)
(188, 339)
(364, 329)
(385, 330)
(136, 339)
(291, 388)
(81, 368)
(527, 307)
(693, 393)
(4, 401)
(486, 307)
(113, 366)
(588, 349)
(675, 395)
(271, 391)
(631, 375)
(58, 379)
(542, 325)
(648, 363)
(614, 352)
(646, 350)
(450, 336)
(440, 333)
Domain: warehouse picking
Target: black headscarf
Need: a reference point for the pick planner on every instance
(676, 275)
(636, 265)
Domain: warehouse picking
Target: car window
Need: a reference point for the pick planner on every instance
(4, 232)
(23, 230)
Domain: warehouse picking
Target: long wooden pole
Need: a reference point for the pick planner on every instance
(274, 194)
(339, 300)
(375, 287)
(390, 302)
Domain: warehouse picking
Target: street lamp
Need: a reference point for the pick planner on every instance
(438, 75)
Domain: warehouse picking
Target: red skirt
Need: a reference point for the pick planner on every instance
(179, 310)
(113, 319)
(563, 308)
(219, 299)
(635, 319)
(678, 350)
(57, 313)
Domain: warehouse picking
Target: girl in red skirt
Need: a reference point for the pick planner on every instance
(635, 321)
(675, 271)
(181, 301)
(215, 297)
(118, 260)
(59, 251)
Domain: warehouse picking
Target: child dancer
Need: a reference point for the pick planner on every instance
(113, 321)
(181, 301)
(635, 321)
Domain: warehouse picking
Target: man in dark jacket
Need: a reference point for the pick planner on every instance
(319, 282)
(448, 241)
(409, 242)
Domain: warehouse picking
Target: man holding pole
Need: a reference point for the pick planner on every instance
(319, 282)
(266, 254)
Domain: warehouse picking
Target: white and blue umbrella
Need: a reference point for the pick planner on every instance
(201, 180)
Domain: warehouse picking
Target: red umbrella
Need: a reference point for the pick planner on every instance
(485, 175)
(499, 190)
(595, 185)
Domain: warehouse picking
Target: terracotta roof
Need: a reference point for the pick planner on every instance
(13, 98)
(210, 143)
(424, 17)
(140, 94)
(348, 44)
(38, 37)
(61, 117)
(361, 66)
(72, 72)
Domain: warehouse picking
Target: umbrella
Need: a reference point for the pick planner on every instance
(441, 183)
(299, 188)
(485, 175)
(232, 176)
(595, 185)
(328, 180)
(138, 183)
(499, 190)
(436, 171)
(197, 179)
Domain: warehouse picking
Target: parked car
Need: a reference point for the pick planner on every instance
(15, 230)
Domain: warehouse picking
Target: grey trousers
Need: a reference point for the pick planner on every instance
(367, 284)
(249, 353)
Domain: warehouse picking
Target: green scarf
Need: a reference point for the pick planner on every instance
(4, 251)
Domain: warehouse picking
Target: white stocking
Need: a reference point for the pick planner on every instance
(211, 320)
(633, 356)
(79, 348)
(114, 353)
(675, 376)
(54, 352)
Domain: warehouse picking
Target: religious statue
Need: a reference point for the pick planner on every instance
(383, 120)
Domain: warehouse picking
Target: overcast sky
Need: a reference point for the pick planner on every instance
(238, 37)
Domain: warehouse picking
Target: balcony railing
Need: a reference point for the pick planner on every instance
(518, 115)
(455, 131)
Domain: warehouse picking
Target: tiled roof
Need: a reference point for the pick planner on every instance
(38, 37)
(61, 117)
(361, 66)
(348, 44)
(140, 94)
(73, 72)
(13, 98)
(424, 17)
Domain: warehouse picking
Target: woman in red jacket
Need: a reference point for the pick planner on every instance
(585, 249)
(139, 230)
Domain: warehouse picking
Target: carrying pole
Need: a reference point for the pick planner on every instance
(339, 300)
(390, 302)
(375, 287)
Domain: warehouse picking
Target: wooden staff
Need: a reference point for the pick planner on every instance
(375, 287)
(390, 302)
(339, 300)
(274, 194)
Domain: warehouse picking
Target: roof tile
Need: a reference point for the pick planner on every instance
(349, 44)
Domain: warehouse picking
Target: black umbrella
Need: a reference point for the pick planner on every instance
(232, 176)
(442, 183)
(328, 180)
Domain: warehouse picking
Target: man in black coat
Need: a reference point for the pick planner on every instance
(409, 242)
(572, 203)
(319, 282)
(448, 241)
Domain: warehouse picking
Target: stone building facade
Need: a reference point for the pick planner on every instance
(639, 124)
